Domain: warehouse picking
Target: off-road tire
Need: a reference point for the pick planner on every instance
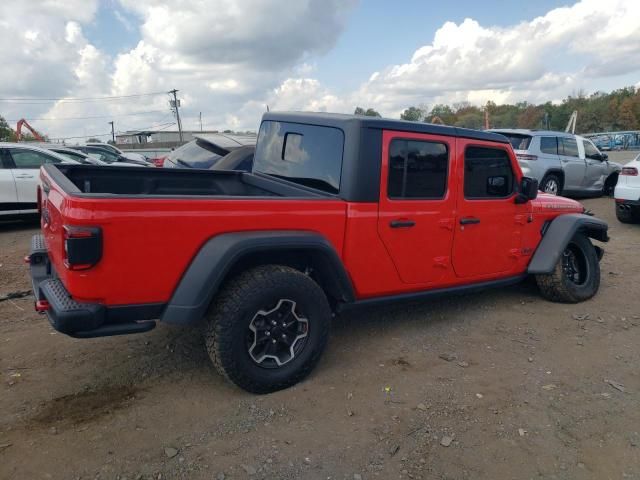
(548, 178)
(627, 215)
(231, 313)
(558, 288)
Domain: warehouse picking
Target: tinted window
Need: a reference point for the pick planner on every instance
(549, 145)
(195, 154)
(487, 173)
(518, 141)
(417, 169)
(306, 154)
(569, 146)
(102, 154)
(590, 151)
(30, 158)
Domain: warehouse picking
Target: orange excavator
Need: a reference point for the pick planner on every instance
(22, 122)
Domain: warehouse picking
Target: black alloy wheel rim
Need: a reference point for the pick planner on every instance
(574, 265)
(277, 334)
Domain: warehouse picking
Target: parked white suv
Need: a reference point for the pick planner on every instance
(19, 176)
(627, 193)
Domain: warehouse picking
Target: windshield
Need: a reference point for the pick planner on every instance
(195, 154)
(519, 141)
(306, 154)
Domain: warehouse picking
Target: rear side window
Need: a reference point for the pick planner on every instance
(569, 146)
(417, 169)
(549, 145)
(518, 141)
(487, 173)
(309, 155)
(30, 158)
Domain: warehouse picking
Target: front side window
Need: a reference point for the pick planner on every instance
(309, 155)
(549, 145)
(417, 169)
(590, 151)
(487, 173)
(570, 147)
(30, 158)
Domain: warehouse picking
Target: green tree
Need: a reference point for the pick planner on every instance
(414, 114)
(443, 112)
(6, 132)
(369, 112)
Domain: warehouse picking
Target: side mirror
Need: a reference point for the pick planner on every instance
(604, 156)
(528, 190)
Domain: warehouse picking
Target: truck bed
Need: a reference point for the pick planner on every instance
(96, 181)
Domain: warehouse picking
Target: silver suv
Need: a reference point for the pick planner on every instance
(563, 163)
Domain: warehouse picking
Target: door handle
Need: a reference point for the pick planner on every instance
(401, 223)
(25, 176)
(469, 221)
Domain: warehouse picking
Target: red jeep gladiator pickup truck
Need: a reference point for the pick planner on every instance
(339, 211)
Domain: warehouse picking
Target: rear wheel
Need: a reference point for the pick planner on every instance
(627, 213)
(576, 276)
(551, 184)
(267, 328)
(610, 185)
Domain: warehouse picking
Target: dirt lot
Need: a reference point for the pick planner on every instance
(520, 387)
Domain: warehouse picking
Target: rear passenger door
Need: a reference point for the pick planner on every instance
(488, 224)
(573, 166)
(417, 203)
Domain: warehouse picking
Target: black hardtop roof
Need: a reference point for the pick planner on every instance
(345, 121)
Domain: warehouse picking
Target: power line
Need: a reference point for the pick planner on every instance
(37, 101)
(91, 117)
(163, 125)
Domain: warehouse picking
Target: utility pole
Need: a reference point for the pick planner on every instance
(200, 121)
(113, 133)
(176, 105)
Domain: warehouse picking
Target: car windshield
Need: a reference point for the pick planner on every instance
(519, 141)
(195, 154)
(101, 154)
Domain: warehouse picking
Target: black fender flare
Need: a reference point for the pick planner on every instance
(558, 235)
(210, 266)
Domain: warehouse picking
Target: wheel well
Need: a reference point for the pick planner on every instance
(612, 179)
(308, 261)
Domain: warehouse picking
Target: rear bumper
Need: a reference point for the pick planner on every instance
(82, 320)
(627, 193)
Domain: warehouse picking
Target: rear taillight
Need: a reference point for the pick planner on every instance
(158, 162)
(631, 171)
(82, 247)
(526, 156)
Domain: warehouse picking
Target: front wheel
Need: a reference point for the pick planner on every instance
(268, 328)
(576, 276)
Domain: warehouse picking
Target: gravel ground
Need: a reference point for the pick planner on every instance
(495, 385)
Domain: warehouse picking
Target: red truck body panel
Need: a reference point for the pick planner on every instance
(148, 243)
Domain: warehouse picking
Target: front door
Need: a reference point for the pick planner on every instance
(26, 173)
(417, 203)
(8, 194)
(597, 168)
(573, 166)
(488, 224)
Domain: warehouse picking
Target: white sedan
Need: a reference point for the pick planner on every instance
(627, 192)
(19, 176)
